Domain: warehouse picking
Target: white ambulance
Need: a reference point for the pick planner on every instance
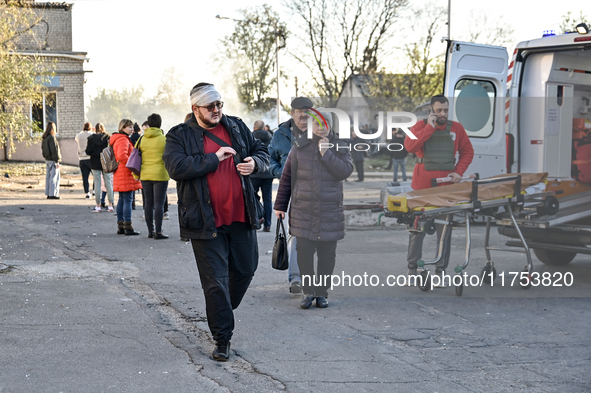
(531, 115)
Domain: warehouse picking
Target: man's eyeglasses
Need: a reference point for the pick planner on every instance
(211, 107)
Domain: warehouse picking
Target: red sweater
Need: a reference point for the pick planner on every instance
(225, 189)
(421, 178)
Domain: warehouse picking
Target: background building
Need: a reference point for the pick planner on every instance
(63, 103)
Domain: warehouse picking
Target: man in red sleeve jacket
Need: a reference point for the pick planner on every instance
(438, 143)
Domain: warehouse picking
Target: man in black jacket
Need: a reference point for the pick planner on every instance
(399, 155)
(264, 181)
(211, 156)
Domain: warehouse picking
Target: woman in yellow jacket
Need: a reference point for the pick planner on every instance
(153, 175)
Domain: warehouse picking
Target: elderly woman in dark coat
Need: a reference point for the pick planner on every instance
(313, 178)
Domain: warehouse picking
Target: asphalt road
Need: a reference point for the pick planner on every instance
(86, 310)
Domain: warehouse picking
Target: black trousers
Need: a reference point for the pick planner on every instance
(415, 247)
(85, 169)
(359, 169)
(326, 251)
(266, 186)
(226, 266)
(154, 197)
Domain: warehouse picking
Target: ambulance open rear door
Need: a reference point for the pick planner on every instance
(475, 83)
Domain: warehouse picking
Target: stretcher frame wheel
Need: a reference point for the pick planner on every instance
(550, 206)
(526, 281)
(485, 273)
(460, 287)
(430, 227)
(425, 283)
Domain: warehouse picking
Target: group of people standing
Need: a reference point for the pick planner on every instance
(153, 178)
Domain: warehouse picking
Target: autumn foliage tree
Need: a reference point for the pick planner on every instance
(21, 75)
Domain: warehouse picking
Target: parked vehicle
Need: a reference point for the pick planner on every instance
(528, 116)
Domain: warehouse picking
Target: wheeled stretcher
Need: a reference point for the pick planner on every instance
(474, 197)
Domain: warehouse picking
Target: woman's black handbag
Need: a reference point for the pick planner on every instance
(280, 258)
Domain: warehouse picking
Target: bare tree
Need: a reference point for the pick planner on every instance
(569, 21)
(424, 69)
(109, 106)
(171, 89)
(481, 31)
(355, 46)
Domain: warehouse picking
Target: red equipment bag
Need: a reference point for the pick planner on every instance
(581, 169)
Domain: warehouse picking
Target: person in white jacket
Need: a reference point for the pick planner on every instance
(83, 158)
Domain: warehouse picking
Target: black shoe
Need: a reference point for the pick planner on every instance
(221, 353)
(128, 228)
(151, 235)
(160, 236)
(307, 301)
(267, 229)
(54, 197)
(321, 302)
(184, 239)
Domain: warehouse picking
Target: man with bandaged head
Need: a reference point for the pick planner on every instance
(211, 156)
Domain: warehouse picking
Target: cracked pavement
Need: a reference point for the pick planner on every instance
(86, 310)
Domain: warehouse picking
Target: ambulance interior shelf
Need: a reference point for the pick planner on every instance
(581, 155)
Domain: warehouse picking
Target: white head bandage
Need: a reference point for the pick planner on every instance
(204, 95)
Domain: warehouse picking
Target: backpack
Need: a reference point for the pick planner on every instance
(108, 161)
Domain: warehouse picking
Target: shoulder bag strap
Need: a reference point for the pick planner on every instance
(223, 143)
(137, 144)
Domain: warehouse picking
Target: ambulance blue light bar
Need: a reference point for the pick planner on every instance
(549, 33)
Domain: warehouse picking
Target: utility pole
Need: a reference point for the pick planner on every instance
(449, 20)
(277, 66)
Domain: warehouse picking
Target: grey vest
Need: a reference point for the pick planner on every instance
(439, 150)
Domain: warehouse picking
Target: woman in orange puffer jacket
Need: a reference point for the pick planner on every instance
(123, 181)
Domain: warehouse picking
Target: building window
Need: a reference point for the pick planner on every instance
(46, 111)
(475, 106)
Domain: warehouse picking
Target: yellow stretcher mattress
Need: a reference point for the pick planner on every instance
(448, 196)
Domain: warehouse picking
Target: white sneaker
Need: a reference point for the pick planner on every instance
(88, 196)
(97, 209)
(165, 216)
(110, 209)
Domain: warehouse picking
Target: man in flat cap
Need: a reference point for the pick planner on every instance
(211, 156)
(283, 139)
